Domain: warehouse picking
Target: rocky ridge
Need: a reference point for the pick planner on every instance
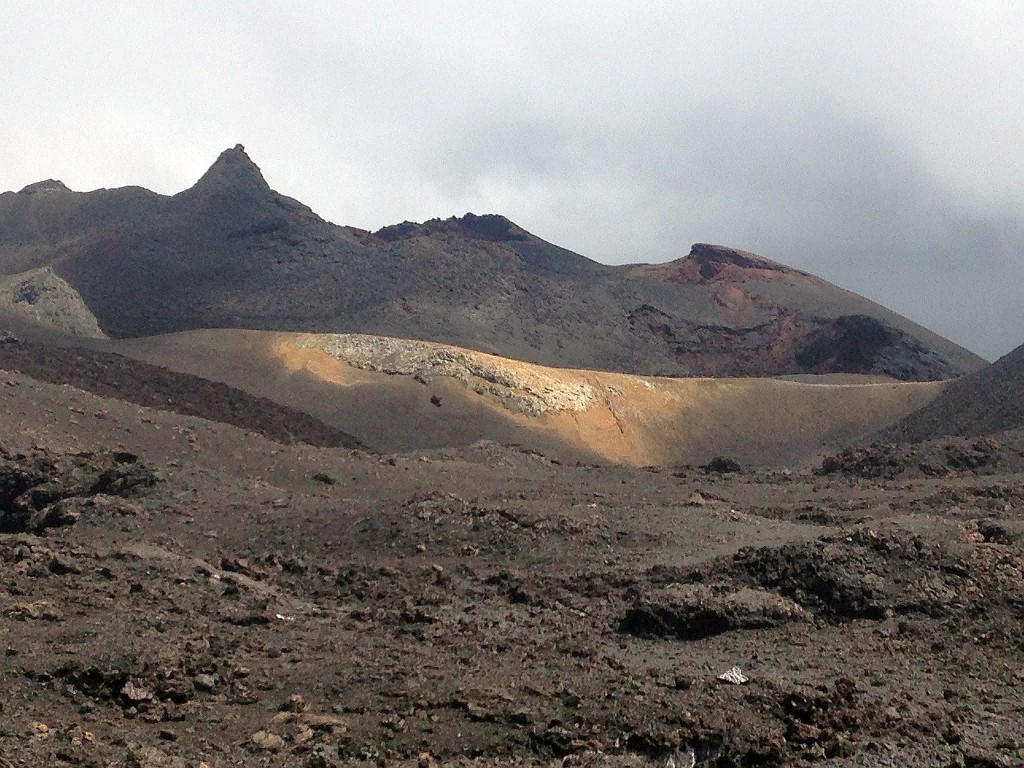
(519, 388)
(230, 252)
(112, 375)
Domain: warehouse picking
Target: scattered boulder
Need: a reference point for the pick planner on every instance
(722, 465)
(937, 458)
(204, 682)
(44, 491)
(698, 611)
(267, 742)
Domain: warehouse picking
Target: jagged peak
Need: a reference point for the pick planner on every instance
(709, 254)
(489, 226)
(708, 263)
(47, 187)
(233, 172)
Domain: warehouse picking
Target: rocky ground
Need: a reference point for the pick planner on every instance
(315, 607)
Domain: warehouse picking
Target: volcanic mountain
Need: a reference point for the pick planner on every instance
(230, 252)
(982, 403)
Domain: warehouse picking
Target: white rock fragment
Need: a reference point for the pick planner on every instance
(520, 387)
(734, 676)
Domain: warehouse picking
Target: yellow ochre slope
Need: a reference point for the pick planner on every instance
(398, 395)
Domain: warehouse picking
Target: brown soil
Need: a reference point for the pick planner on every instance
(177, 592)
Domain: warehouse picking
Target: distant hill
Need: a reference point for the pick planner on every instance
(985, 402)
(230, 252)
(400, 395)
(43, 299)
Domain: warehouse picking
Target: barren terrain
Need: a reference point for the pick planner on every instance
(986, 401)
(444, 509)
(178, 592)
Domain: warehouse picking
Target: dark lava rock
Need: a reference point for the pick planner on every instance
(697, 611)
(937, 458)
(722, 465)
(39, 491)
(865, 344)
(869, 574)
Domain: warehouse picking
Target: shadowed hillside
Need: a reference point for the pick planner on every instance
(131, 381)
(985, 402)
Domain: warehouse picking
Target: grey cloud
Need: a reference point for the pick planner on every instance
(810, 187)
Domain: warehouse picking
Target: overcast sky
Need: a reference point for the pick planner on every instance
(878, 145)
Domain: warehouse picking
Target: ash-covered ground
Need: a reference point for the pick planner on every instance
(176, 592)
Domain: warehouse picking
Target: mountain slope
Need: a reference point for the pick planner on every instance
(400, 395)
(231, 252)
(985, 402)
(134, 382)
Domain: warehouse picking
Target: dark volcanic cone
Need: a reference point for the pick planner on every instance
(230, 252)
(983, 403)
(233, 171)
